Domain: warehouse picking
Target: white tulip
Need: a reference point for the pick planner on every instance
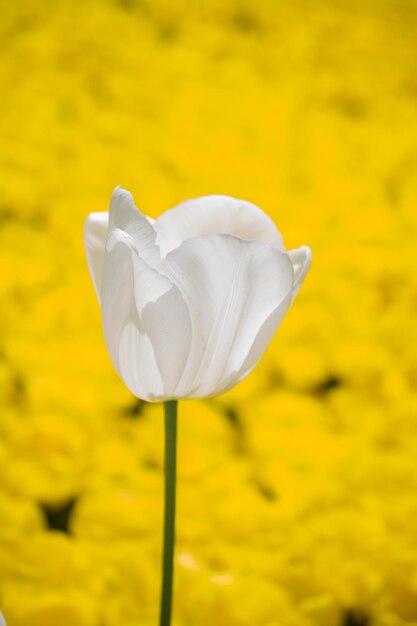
(191, 300)
(2, 622)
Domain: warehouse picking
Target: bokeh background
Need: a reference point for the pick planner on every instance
(297, 501)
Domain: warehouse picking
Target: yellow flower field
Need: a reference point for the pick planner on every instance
(297, 500)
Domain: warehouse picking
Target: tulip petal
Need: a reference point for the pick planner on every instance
(145, 321)
(130, 351)
(166, 321)
(215, 214)
(95, 234)
(260, 343)
(127, 217)
(231, 287)
(301, 261)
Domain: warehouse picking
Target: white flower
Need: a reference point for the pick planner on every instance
(191, 300)
(2, 622)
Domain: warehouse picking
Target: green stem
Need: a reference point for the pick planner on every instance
(170, 408)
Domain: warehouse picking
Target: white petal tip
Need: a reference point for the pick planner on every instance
(306, 251)
(119, 192)
(301, 260)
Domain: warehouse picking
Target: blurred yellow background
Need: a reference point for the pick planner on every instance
(297, 501)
